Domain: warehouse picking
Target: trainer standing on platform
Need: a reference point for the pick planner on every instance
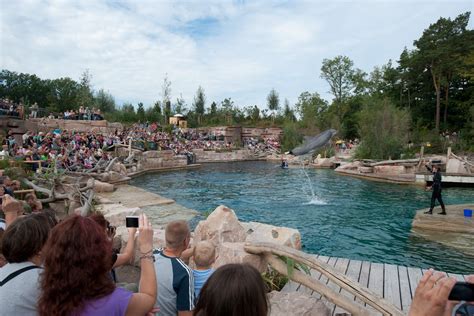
(436, 187)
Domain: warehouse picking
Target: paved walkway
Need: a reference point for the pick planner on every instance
(159, 209)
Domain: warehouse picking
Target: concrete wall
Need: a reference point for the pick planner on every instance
(213, 156)
(236, 134)
(46, 125)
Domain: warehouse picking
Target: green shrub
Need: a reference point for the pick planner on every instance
(291, 137)
(383, 129)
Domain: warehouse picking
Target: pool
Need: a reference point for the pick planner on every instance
(349, 217)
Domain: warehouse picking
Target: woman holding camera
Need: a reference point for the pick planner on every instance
(76, 277)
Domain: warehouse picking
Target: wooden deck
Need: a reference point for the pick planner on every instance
(396, 284)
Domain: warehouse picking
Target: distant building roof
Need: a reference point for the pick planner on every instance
(179, 115)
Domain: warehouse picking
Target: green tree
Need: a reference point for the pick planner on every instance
(104, 101)
(199, 104)
(85, 95)
(227, 106)
(128, 113)
(141, 112)
(291, 136)
(254, 113)
(63, 94)
(437, 49)
(288, 112)
(213, 109)
(273, 102)
(180, 105)
(339, 72)
(383, 129)
(166, 95)
(312, 109)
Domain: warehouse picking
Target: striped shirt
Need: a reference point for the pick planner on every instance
(200, 277)
(175, 285)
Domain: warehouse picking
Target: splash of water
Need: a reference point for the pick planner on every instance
(314, 200)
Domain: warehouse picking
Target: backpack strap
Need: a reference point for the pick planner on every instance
(17, 273)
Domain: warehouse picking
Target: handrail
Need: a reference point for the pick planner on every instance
(269, 250)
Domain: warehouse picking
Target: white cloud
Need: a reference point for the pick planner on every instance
(232, 49)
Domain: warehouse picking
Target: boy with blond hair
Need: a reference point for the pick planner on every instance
(204, 257)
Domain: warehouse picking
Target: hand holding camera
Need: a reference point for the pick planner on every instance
(145, 235)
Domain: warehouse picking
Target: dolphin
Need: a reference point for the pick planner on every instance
(313, 143)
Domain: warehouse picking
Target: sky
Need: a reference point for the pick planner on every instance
(233, 49)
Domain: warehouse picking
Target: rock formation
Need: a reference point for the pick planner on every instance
(296, 303)
(223, 228)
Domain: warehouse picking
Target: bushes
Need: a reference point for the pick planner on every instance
(291, 137)
(383, 129)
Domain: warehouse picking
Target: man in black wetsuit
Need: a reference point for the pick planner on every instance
(436, 187)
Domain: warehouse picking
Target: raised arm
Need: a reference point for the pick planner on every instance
(143, 301)
(128, 252)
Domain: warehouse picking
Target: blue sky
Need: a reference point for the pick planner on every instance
(236, 49)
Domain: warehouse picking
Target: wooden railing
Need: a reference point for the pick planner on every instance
(270, 252)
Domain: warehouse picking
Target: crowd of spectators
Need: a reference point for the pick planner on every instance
(10, 108)
(74, 151)
(69, 150)
(184, 141)
(267, 145)
(84, 113)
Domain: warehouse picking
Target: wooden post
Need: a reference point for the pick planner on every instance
(448, 155)
(422, 151)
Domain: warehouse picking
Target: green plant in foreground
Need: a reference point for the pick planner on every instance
(291, 265)
(274, 281)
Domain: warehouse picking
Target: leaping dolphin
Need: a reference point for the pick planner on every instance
(313, 143)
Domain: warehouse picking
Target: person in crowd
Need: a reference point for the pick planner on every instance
(118, 259)
(11, 208)
(174, 277)
(204, 256)
(436, 187)
(4, 154)
(431, 296)
(232, 290)
(33, 202)
(34, 110)
(78, 282)
(22, 246)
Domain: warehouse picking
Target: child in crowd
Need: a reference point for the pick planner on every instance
(204, 257)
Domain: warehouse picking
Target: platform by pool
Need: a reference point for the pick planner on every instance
(349, 218)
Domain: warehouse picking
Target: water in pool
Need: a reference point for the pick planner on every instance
(348, 217)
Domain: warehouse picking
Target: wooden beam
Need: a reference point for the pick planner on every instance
(333, 296)
(377, 302)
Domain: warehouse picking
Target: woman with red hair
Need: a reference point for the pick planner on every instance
(76, 277)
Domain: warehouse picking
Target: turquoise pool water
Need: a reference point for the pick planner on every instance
(349, 218)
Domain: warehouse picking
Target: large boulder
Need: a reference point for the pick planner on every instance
(350, 166)
(120, 168)
(456, 166)
(258, 232)
(233, 252)
(220, 226)
(389, 169)
(100, 187)
(296, 303)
